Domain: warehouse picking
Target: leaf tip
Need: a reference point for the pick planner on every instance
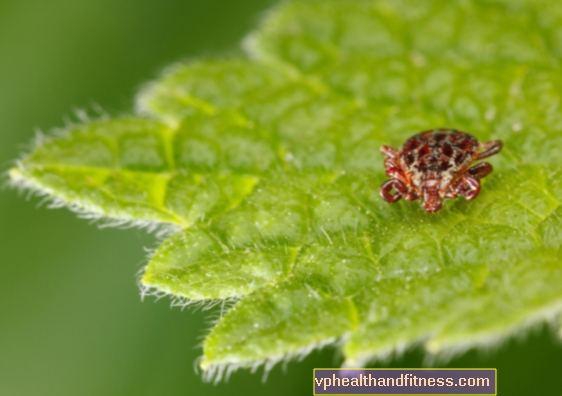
(15, 174)
(17, 178)
(433, 346)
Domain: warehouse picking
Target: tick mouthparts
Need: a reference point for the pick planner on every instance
(431, 200)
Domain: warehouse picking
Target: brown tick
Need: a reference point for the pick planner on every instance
(435, 165)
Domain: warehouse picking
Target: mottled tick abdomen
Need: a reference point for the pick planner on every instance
(437, 155)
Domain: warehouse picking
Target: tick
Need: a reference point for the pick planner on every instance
(435, 165)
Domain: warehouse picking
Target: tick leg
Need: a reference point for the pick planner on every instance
(392, 169)
(411, 196)
(395, 184)
(469, 187)
(481, 170)
(490, 148)
(451, 192)
(390, 152)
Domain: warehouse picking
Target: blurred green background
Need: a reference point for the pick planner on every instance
(71, 319)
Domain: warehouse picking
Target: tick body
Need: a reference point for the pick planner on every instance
(436, 165)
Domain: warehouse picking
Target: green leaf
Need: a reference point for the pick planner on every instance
(274, 323)
(268, 170)
(196, 265)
